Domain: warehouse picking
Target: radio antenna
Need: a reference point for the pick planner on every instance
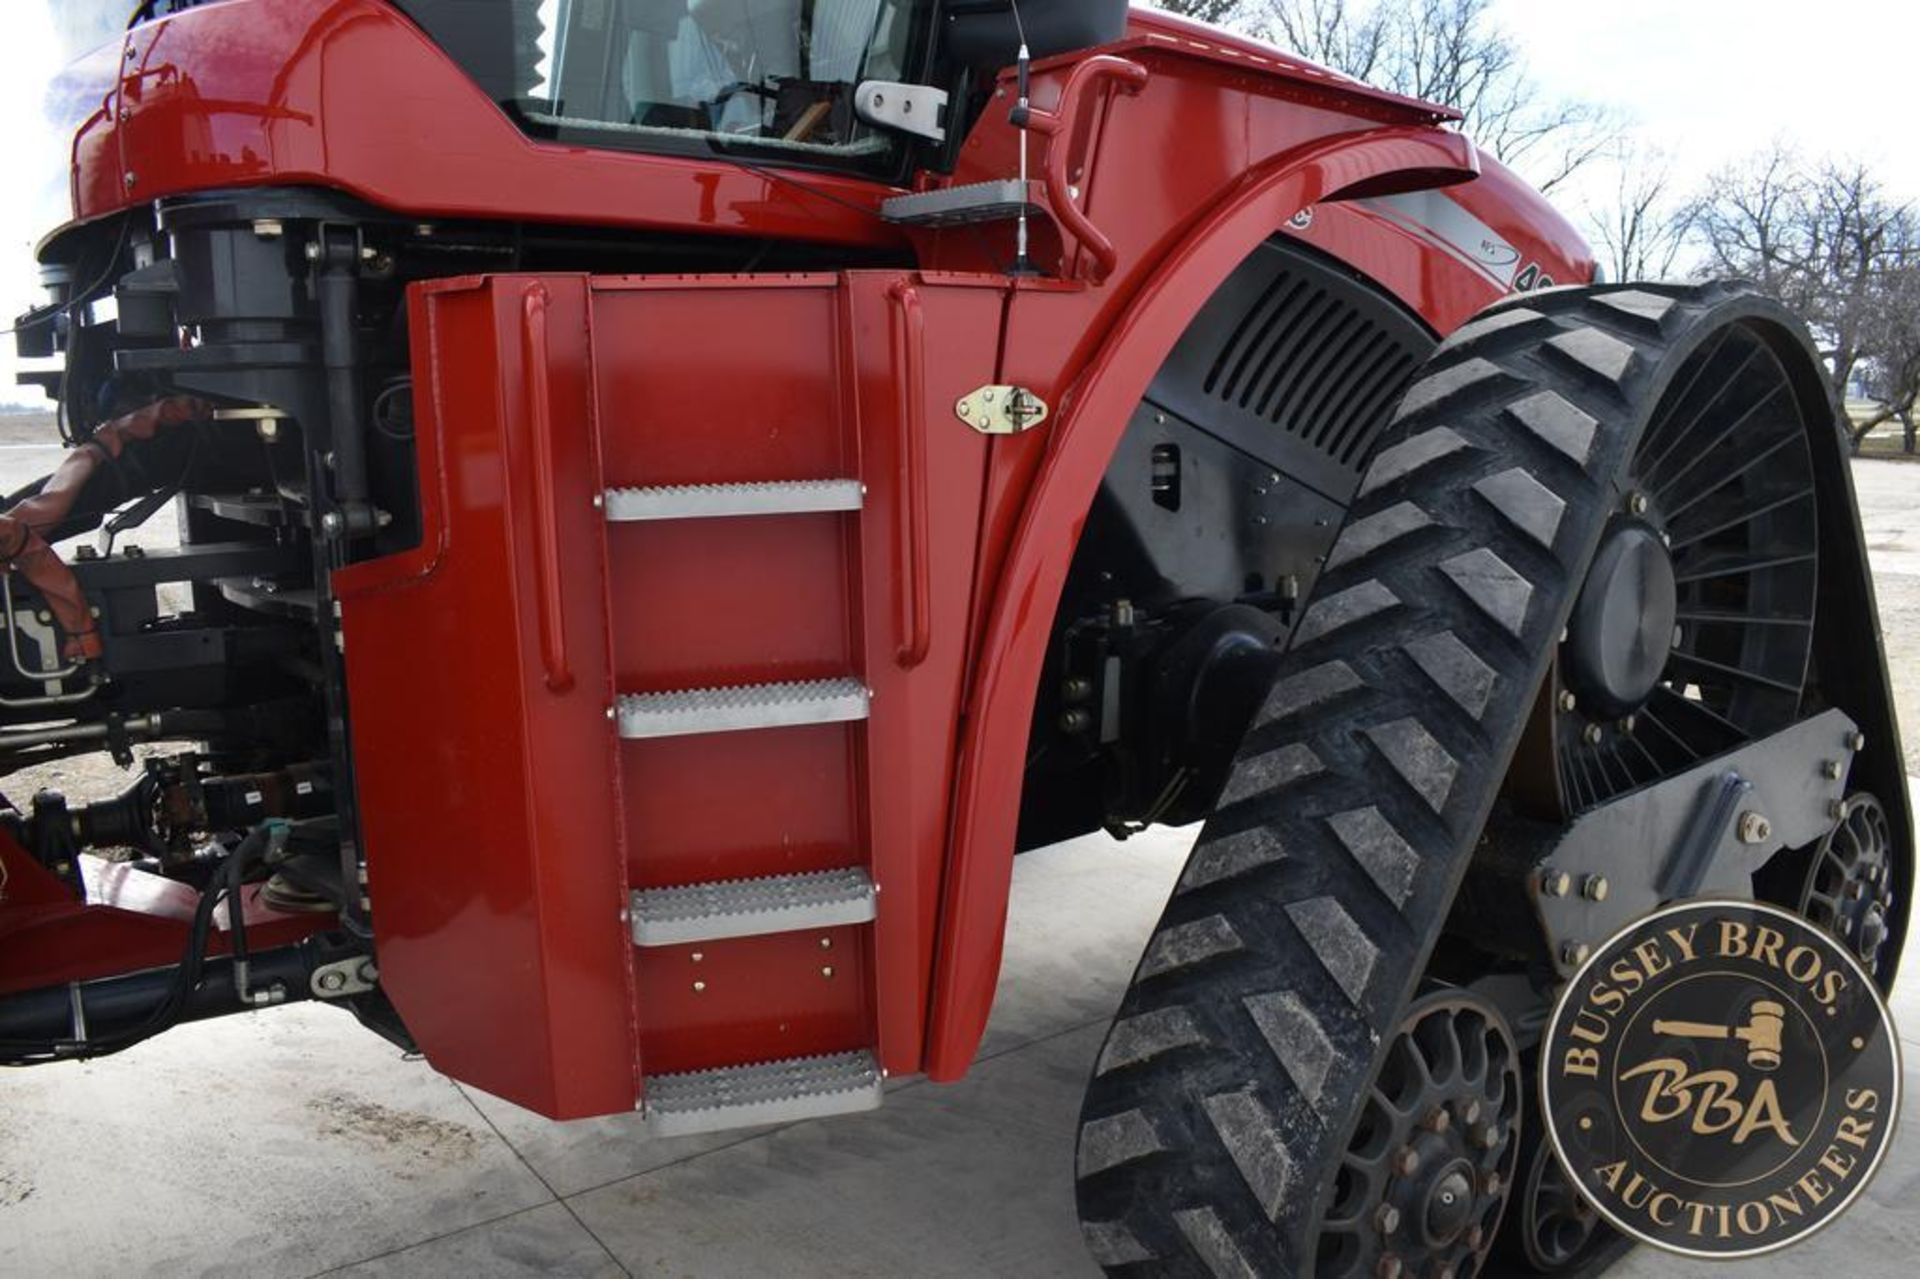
(1019, 117)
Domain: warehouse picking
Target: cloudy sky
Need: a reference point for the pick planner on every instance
(1706, 81)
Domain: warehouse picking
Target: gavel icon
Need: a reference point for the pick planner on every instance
(1765, 1022)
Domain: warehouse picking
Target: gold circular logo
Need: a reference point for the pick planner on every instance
(1720, 1079)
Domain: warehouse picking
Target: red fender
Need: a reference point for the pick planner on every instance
(1094, 414)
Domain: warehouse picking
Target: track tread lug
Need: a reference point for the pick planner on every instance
(1455, 669)
(1524, 502)
(1148, 1035)
(1555, 419)
(1227, 857)
(1495, 586)
(1188, 944)
(1389, 860)
(1297, 694)
(1254, 1141)
(1422, 762)
(1117, 1139)
(1295, 1035)
(1213, 1243)
(1365, 536)
(1338, 942)
(1271, 771)
(1398, 461)
(1337, 612)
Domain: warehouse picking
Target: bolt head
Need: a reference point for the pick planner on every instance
(1475, 1238)
(1490, 1182)
(1568, 701)
(1593, 735)
(1857, 742)
(1595, 888)
(333, 980)
(1406, 1161)
(1485, 1134)
(1470, 1112)
(1837, 809)
(1554, 883)
(1830, 769)
(1628, 724)
(1754, 828)
(1389, 1267)
(826, 970)
(1636, 503)
(131, 178)
(699, 986)
(1437, 1120)
(1575, 953)
(1386, 1219)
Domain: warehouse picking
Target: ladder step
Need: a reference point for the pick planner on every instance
(702, 501)
(772, 1092)
(751, 907)
(997, 200)
(743, 706)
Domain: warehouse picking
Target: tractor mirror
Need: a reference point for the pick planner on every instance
(983, 33)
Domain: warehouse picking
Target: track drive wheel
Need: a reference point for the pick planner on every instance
(1264, 1014)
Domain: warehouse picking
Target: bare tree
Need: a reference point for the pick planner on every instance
(1446, 51)
(1219, 12)
(1642, 229)
(1331, 33)
(1829, 242)
(1892, 336)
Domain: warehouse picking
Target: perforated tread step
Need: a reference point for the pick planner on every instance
(772, 1092)
(997, 200)
(743, 706)
(706, 501)
(751, 907)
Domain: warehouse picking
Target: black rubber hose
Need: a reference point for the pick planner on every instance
(115, 1006)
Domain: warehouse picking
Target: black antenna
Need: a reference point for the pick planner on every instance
(1019, 117)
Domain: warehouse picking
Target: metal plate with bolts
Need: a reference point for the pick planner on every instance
(1702, 833)
(1001, 410)
(343, 977)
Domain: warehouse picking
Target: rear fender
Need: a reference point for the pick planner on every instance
(1093, 415)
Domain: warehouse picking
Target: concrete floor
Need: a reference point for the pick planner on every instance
(294, 1143)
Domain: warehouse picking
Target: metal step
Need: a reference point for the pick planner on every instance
(705, 501)
(773, 1092)
(744, 706)
(751, 907)
(994, 201)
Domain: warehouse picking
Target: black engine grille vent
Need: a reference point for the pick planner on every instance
(1297, 363)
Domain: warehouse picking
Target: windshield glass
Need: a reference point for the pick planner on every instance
(772, 79)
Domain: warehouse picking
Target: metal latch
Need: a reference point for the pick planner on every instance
(1001, 410)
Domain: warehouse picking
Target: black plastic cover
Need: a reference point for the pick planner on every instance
(983, 33)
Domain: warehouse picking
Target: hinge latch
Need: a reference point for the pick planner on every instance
(1001, 410)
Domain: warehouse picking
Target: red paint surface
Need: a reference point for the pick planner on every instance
(505, 823)
(131, 920)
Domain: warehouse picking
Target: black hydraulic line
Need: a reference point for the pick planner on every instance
(113, 1006)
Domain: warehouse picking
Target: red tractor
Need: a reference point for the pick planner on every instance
(674, 495)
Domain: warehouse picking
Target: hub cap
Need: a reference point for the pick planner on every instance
(1622, 626)
(1849, 887)
(1425, 1178)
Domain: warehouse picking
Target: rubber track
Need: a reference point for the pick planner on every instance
(1229, 1082)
